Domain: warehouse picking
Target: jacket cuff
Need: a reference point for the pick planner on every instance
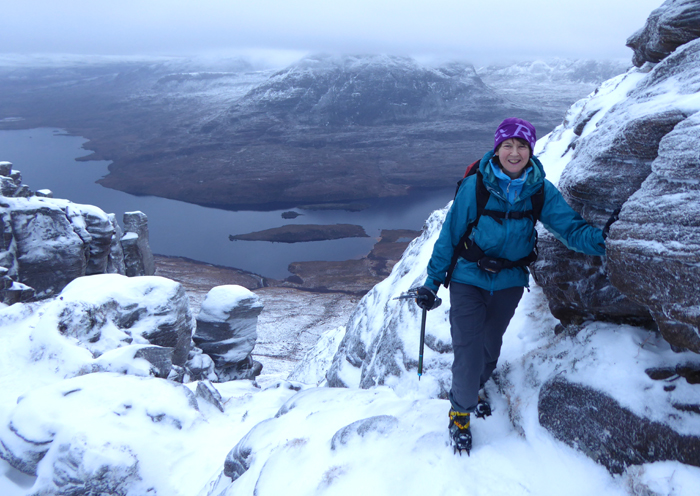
(432, 284)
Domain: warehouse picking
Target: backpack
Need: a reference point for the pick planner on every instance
(469, 250)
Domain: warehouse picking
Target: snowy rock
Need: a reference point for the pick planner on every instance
(7, 186)
(46, 243)
(654, 250)
(382, 338)
(612, 435)
(572, 385)
(5, 168)
(107, 311)
(673, 24)
(115, 259)
(79, 469)
(317, 361)
(381, 425)
(85, 435)
(44, 193)
(198, 367)
(609, 145)
(125, 360)
(138, 257)
(226, 331)
(208, 393)
(16, 292)
(48, 252)
(101, 231)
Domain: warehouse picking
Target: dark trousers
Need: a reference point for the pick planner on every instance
(478, 320)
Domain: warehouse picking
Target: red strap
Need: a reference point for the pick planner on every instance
(472, 168)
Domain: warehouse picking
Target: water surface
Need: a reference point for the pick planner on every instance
(46, 159)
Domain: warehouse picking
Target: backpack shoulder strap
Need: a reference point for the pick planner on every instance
(537, 201)
(482, 198)
(471, 170)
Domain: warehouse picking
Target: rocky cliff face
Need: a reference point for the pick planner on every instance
(628, 145)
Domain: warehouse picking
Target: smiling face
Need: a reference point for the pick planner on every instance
(514, 157)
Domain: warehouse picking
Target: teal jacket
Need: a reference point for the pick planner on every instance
(514, 238)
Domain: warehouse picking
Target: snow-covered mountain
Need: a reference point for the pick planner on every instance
(217, 133)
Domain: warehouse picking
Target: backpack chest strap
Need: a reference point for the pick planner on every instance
(501, 216)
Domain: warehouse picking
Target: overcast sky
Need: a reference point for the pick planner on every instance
(479, 31)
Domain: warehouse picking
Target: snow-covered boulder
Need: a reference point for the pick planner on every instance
(673, 24)
(610, 143)
(107, 311)
(108, 322)
(85, 435)
(227, 331)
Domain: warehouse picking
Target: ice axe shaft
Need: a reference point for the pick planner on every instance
(422, 343)
(413, 294)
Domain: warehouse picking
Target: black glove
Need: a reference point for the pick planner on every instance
(427, 299)
(615, 215)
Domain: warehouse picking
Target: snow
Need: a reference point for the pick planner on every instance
(312, 368)
(221, 300)
(318, 440)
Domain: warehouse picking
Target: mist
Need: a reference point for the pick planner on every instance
(278, 31)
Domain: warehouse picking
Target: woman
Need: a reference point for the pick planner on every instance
(485, 288)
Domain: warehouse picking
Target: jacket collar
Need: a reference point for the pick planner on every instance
(533, 182)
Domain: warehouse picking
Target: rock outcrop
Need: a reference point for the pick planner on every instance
(226, 331)
(673, 24)
(610, 434)
(47, 242)
(138, 258)
(107, 311)
(654, 252)
(627, 145)
(381, 340)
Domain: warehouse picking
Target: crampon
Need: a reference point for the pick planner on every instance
(460, 435)
(483, 409)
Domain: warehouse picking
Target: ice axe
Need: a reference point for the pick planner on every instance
(412, 294)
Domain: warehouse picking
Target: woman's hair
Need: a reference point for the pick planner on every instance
(520, 140)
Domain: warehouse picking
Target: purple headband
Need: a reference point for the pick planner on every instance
(515, 128)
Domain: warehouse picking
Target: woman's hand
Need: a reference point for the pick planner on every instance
(615, 216)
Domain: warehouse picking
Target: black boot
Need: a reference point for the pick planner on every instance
(460, 434)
